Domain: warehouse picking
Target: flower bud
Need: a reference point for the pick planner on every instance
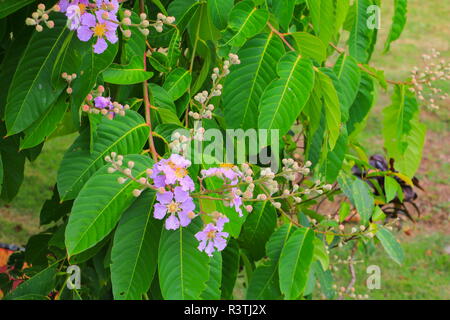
(41, 6)
(39, 28)
(30, 22)
(137, 192)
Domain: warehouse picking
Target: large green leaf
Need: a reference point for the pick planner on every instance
(245, 85)
(131, 73)
(100, 205)
(284, 11)
(295, 262)
(230, 268)
(212, 290)
(31, 91)
(310, 46)
(364, 101)
(398, 22)
(264, 284)
(177, 83)
(390, 244)
(284, 98)
(360, 36)
(134, 253)
(9, 6)
(183, 269)
(245, 21)
(257, 229)
(46, 124)
(219, 10)
(124, 135)
(322, 15)
(362, 199)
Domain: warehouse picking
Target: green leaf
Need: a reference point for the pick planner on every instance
(334, 159)
(230, 268)
(124, 135)
(283, 10)
(212, 291)
(46, 124)
(295, 262)
(284, 98)
(390, 187)
(100, 205)
(183, 269)
(245, 85)
(359, 41)
(31, 91)
(219, 10)
(398, 22)
(41, 284)
(362, 105)
(310, 46)
(341, 12)
(264, 283)
(135, 249)
(322, 15)
(127, 74)
(320, 253)
(390, 244)
(9, 6)
(245, 21)
(174, 51)
(177, 82)
(362, 198)
(257, 229)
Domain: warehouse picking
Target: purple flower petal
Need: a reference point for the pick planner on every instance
(84, 33)
(180, 194)
(165, 197)
(172, 223)
(184, 219)
(100, 46)
(88, 20)
(160, 211)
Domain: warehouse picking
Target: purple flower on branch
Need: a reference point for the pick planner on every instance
(178, 204)
(212, 237)
(100, 26)
(173, 170)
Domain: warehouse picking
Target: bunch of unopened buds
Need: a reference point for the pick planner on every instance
(96, 103)
(69, 78)
(98, 20)
(202, 99)
(424, 80)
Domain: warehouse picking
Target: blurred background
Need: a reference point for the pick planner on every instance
(426, 271)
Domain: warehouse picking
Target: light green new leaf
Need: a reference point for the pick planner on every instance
(124, 135)
(390, 244)
(362, 199)
(295, 262)
(284, 98)
(398, 22)
(310, 46)
(177, 82)
(134, 253)
(341, 12)
(390, 187)
(323, 19)
(245, 85)
(131, 73)
(31, 92)
(183, 269)
(100, 204)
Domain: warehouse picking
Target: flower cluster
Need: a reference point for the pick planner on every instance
(69, 78)
(424, 80)
(42, 16)
(205, 108)
(212, 236)
(96, 103)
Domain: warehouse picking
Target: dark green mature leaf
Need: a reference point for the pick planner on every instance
(124, 135)
(46, 124)
(100, 205)
(360, 35)
(230, 268)
(264, 283)
(9, 6)
(134, 253)
(245, 21)
(284, 98)
(335, 158)
(245, 85)
(183, 269)
(212, 291)
(364, 101)
(31, 91)
(295, 262)
(390, 244)
(257, 229)
(177, 83)
(131, 73)
(219, 10)
(398, 22)
(283, 10)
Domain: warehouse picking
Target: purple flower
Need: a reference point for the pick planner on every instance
(178, 204)
(98, 27)
(212, 237)
(173, 170)
(108, 5)
(235, 201)
(102, 103)
(64, 4)
(223, 173)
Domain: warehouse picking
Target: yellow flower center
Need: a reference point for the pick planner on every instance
(227, 165)
(211, 234)
(172, 207)
(180, 172)
(99, 29)
(82, 8)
